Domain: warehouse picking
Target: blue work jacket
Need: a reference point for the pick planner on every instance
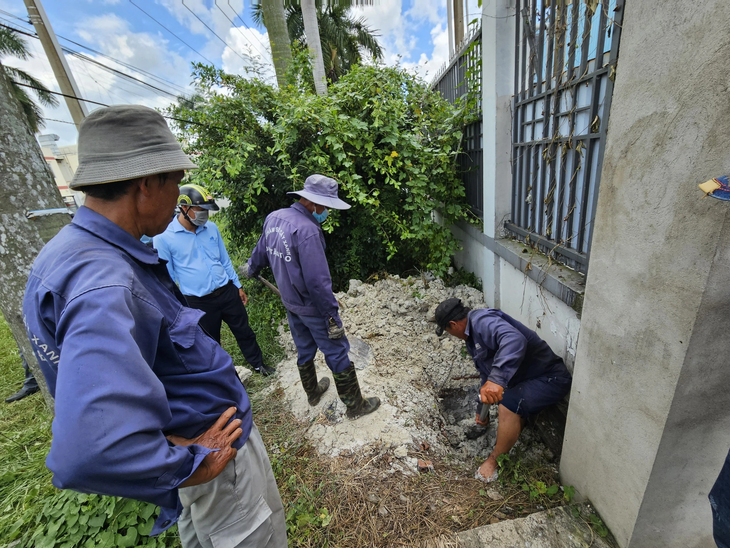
(128, 365)
(198, 262)
(292, 244)
(505, 351)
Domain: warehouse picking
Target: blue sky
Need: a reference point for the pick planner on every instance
(413, 34)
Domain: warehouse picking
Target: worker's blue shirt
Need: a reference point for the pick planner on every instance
(198, 262)
(127, 364)
(506, 352)
(292, 244)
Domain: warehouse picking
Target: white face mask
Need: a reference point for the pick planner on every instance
(201, 217)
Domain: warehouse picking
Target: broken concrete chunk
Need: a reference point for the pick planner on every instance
(401, 451)
(425, 466)
(243, 373)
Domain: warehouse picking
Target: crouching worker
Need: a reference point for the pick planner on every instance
(293, 246)
(518, 370)
(148, 405)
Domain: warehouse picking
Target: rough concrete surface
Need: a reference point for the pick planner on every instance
(647, 429)
(555, 528)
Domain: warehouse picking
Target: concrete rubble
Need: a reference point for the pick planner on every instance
(426, 384)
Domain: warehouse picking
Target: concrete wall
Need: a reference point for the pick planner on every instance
(648, 425)
(522, 295)
(552, 319)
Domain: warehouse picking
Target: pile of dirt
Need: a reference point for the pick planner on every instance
(427, 384)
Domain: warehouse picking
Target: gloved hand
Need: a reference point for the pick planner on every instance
(335, 331)
(243, 270)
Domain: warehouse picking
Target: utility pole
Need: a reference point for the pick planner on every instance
(458, 23)
(450, 25)
(58, 62)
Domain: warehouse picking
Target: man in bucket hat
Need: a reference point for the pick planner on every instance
(292, 244)
(148, 406)
(518, 370)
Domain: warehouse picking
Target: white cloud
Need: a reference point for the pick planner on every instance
(253, 46)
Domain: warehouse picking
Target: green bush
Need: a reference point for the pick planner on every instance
(382, 133)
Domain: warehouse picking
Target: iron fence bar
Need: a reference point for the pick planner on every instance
(524, 57)
(560, 249)
(566, 220)
(518, 23)
(541, 48)
(585, 44)
(551, 45)
(612, 61)
(533, 51)
(579, 81)
(586, 231)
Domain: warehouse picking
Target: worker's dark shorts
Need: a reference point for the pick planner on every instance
(532, 396)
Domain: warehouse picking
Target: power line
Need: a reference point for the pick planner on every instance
(245, 25)
(211, 30)
(88, 59)
(123, 74)
(175, 35)
(26, 21)
(124, 64)
(61, 94)
(59, 121)
(238, 29)
(105, 105)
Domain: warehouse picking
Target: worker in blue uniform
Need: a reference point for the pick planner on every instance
(147, 405)
(293, 245)
(518, 370)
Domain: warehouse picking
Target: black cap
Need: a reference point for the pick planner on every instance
(448, 311)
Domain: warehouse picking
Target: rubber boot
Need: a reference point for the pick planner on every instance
(314, 389)
(349, 390)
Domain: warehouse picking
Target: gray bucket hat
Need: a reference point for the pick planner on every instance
(124, 142)
(322, 191)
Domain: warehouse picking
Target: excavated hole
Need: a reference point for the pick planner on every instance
(458, 410)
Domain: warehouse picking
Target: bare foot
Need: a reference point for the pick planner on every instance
(488, 470)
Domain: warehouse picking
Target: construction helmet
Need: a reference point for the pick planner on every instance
(196, 195)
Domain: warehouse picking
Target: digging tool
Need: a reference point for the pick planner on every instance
(484, 413)
(268, 284)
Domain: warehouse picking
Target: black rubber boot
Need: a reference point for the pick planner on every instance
(314, 389)
(348, 388)
(265, 370)
(24, 392)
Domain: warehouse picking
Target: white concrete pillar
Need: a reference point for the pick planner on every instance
(649, 419)
(498, 66)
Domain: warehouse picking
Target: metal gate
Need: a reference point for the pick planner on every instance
(565, 62)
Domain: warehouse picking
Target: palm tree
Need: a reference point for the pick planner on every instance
(344, 40)
(12, 44)
(272, 13)
(311, 31)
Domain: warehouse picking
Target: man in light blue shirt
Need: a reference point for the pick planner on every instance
(198, 261)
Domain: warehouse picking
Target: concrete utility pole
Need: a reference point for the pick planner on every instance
(450, 25)
(58, 62)
(458, 23)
